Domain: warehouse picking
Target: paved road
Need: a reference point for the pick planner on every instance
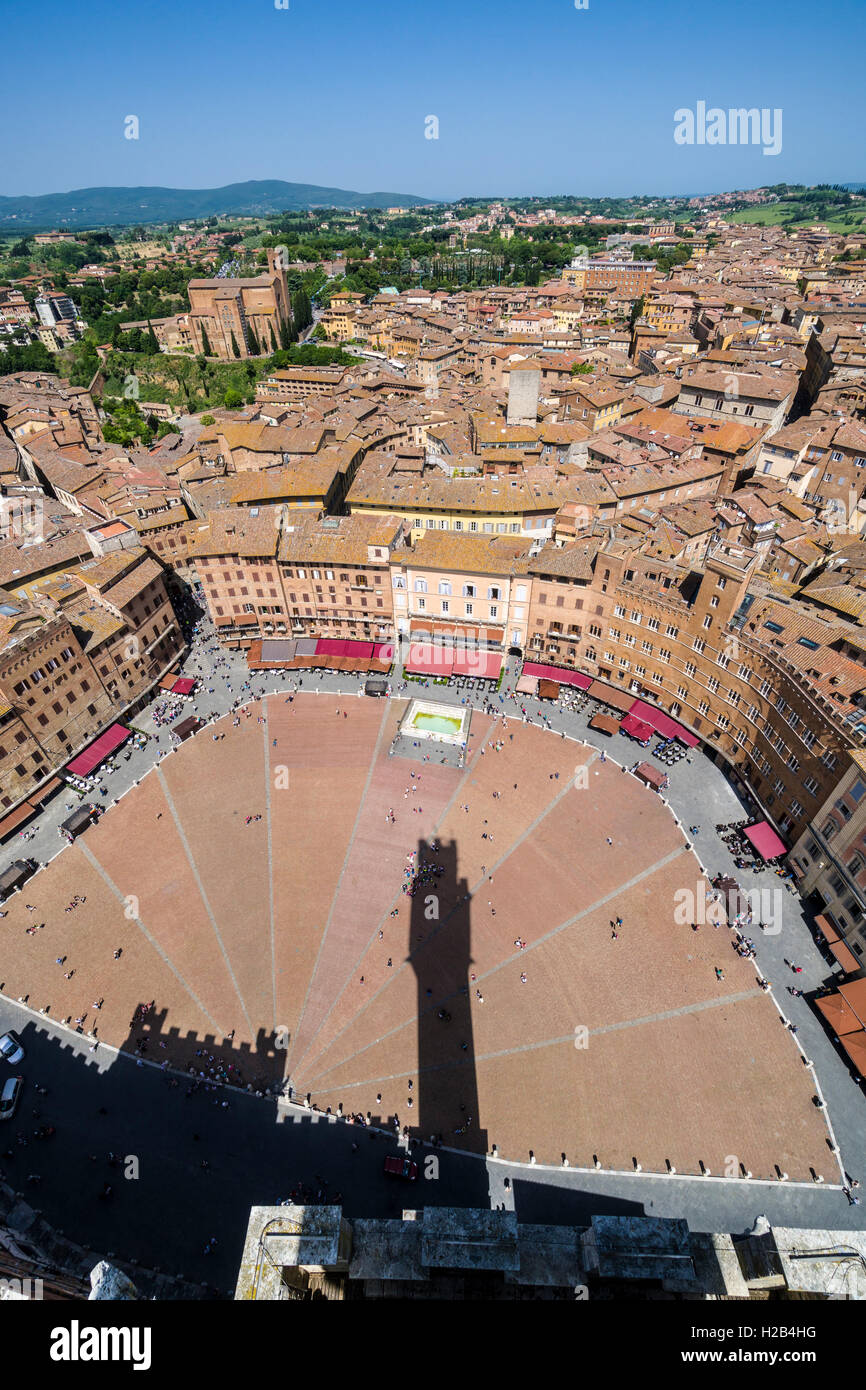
(258, 1150)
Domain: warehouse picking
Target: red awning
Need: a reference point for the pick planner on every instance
(343, 646)
(481, 665)
(184, 686)
(104, 746)
(428, 659)
(765, 840)
(384, 651)
(557, 673)
(636, 728)
(663, 723)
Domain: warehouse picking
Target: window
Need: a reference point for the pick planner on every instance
(619, 611)
(421, 604)
(712, 685)
(672, 631)
(690, 668)
(708, 622)
(653, 624)
(811, 785)
(698, 644)
(445, 605)
(493, 592)
(420, 586)
(469, 610)
(703, 707)
(445, 586)
(493, 610)
(468, 590)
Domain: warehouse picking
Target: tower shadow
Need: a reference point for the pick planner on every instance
(445, 1109)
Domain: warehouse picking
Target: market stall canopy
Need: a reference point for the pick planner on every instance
(855, 1046)
(841, 1018)
(78, 821)
(186, 727)
(527, 685)
(845, 956)
(17, 873)
(765, 840)
(104, 746)
(605, 723)
(650, 775)
(548, 690)
(184, 686)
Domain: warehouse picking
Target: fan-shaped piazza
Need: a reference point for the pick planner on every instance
(255, 881)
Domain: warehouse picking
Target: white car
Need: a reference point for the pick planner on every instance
(10, 1049)
(9, 1097)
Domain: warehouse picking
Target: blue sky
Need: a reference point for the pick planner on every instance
(532, 97)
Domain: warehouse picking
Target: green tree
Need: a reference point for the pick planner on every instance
(232, 399)
(235, 349)
(205, 343)
(254, 342)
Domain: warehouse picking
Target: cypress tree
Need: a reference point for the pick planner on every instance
(205, 343)
(235, 349)
(254, 343)
(273, 339)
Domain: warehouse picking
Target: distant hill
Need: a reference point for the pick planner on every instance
(111, 207)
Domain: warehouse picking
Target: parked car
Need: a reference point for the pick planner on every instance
(398, 1167)
(10, 1096)
(10, 1049)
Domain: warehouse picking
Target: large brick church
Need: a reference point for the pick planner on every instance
(239, 316)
